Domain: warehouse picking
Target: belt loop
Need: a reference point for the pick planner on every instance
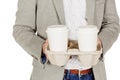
(68, 74)
(79, 74)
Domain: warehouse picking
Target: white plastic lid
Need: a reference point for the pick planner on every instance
(57, 28)
(87, 28)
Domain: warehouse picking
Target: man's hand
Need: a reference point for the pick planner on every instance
(99, 44)
(44, 46)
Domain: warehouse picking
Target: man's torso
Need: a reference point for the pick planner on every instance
(50, 12)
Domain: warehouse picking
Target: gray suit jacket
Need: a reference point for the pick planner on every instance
(33, 17)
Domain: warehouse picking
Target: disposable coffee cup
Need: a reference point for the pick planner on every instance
(57, 37)
(87, 37)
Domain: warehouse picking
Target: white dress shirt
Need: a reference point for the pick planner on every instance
(75, 11)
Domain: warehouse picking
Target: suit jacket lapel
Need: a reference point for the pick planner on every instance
(90, 10)
(60, 10)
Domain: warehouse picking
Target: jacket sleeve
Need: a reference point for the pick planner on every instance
(24, 30)
(110, 27)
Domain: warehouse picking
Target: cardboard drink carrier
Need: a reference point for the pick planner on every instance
(86, 58)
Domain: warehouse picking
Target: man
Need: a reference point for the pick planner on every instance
(33, 17)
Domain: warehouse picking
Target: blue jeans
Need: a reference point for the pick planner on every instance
(68, 76)
(43, 58)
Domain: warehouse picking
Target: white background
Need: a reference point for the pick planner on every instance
(16, 64)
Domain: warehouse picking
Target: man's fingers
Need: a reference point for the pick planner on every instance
(45, 45)
(99, 44)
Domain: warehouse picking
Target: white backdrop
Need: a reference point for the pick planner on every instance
(16, 64)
